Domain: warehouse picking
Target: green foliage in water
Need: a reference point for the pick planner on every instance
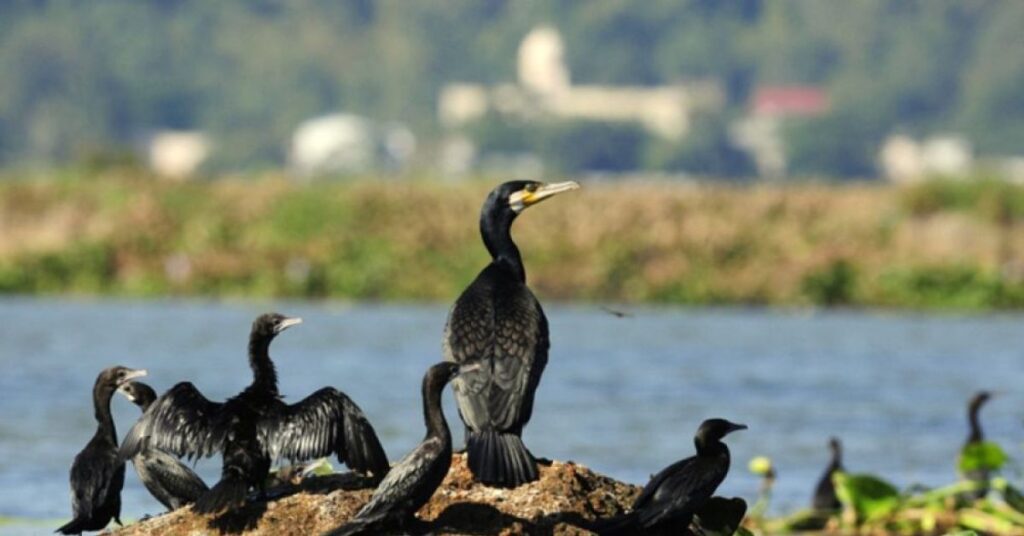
(984, 455)
(866, 496)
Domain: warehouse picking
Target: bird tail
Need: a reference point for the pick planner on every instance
(227, 494)
(72, 527)
(500, 459)
(615, 526)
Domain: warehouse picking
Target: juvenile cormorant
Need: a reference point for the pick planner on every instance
(498, 322)
(97, 474)
(669, 500)
(167, 479)
(825, 499)
(980, 476)
(411, 482)
(255, 427)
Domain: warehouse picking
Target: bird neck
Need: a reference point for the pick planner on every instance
(837, 460)
(975, 425)
(496, 230)
(433, 414)
(710, 448)
(101, 396)
(264, 375)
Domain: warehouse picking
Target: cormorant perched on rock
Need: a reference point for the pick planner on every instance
(412, 481)
(167, 479)
(97, 474)
(825, 499)
(498, 322)
(669, 500)
(255, 427)
(976, 436)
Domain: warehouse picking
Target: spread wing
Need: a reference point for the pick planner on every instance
(678, 490)
(324, 422)
(94, 475)
(501, 323)
(182, 421)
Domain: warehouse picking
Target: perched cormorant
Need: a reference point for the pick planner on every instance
(980, 475)
(255, 427)
(97, 474)
(167, 479)
(412, 481)
(825, 499)
(669, 500)
(498, 322)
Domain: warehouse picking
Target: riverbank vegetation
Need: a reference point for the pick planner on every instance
(945, 244)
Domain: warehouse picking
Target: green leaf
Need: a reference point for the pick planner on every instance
(984, 455)
(868, 496)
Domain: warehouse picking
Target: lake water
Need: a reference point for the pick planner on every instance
(621, 395)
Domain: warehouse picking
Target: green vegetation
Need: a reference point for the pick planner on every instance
(80, 78)
(870, 505)
(121, 232)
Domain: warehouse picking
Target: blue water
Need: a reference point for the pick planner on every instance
(621, 395)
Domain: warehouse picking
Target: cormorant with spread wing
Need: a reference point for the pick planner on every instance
(669, 501)
(498, 322)
(255, 427)
(167, 479)
(413, 480)
(825, 499)
(97, 475)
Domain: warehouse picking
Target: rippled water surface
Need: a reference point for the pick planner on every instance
(622, 395)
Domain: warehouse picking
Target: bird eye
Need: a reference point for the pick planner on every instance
(532, 187)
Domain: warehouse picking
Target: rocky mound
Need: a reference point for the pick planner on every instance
(563, 501)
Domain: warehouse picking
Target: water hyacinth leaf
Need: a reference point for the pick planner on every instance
(721, 516)
(984, 455)
(868, 496)
(1013, 497)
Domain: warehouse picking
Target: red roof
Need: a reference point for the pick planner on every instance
(790, 101)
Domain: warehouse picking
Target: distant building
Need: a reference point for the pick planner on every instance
(545, 89)
(177, 154)
(905, 160)
(760, 132)
(346, 143)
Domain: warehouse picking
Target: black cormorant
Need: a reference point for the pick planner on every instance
(669, 500)
(825, 499)
(255, 427)
(412, 481)
(167, 479)
(97, 474)
(979, 476)
(498, 322)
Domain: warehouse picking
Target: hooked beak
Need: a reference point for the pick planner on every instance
(734, 427)
(131, 375)
(525, 198)
(287, 323)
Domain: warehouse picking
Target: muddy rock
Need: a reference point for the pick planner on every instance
(565, 499)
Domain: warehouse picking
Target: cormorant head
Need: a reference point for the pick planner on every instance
(440, 374)
(513, 197)
(835, 446)
(138, 393)
(114, 377)
(713, 430)
(979, 400)
(270, 324)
